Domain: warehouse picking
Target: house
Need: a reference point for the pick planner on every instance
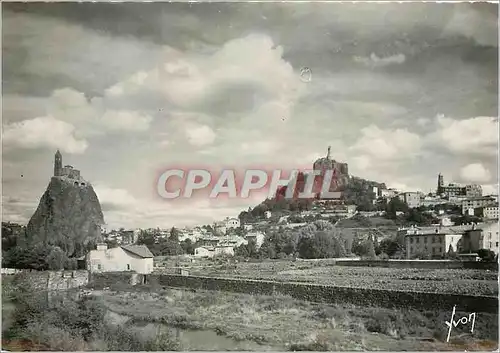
(232, 223)
(477, 202)
(204, 251)
(257, 237)
(137, 258)
(491, 212)
(489, 236)
(412, 199)
(431, 244)
(224, 249)
(267, 214)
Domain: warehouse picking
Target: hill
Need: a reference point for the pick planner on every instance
(68, 216)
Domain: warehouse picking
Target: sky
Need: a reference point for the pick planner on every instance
(400, 91)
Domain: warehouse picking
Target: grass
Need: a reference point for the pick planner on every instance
(281, 321)
(65, 324)
(470, 282)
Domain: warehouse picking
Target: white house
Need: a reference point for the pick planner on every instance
(267, 214)
(257, 237)
(204, 251)
(224, 250)
(490, 237)
(137, 258)
(232, 223)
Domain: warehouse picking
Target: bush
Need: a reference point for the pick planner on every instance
(74, 325)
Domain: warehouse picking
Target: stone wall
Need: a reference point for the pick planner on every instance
(331, 294)
(54, 285)
(108, 279)
(426, 264)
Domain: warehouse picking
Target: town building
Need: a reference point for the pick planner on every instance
(491, 212)
(257, 237)
(388, 193)
(476, 202)
(412, 199)
(137, 258)
(490, 236)
(453, 189)
(473, 190)
(211, 251)
(436, 244)
(204, 251)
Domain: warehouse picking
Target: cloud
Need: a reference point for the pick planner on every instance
(122, 120)
(43, 132)
(490, 189)
(200, 135)
(122, 209)
(374, 61)
(71, 119)
(389, 144)
(478, 25)
(475, 173)
(478, 135)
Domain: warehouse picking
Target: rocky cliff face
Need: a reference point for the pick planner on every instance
(69, 216)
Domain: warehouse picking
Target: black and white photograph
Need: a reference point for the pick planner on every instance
(250, 176)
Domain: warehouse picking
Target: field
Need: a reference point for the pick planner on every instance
(283, 323)
(470, 282)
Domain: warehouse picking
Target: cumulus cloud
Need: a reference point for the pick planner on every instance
(475, 173)
(44, 132)
(245, 83)
(478, 25)
(390, 144)
(478, 135)
(122, 209)
(122, 120)
(374, 61)
(200, 135)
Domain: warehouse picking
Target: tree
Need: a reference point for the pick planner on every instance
(188, 246)
(321, 245)
(394, 206)
(146, 238)
(247, 250)
(486, 255)
(389, 247)
(370, 249)
(111, 243)
(174, 234)
(56, 259)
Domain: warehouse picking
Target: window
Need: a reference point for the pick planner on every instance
(128, 267)
(425, 240)
(496, 244)
(411, 240)
(440, 250)
(433, 239)
(99, 266)
(417, 240)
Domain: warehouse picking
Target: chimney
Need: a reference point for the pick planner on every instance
(102, 247)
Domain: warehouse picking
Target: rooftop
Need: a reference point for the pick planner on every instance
(139, 250)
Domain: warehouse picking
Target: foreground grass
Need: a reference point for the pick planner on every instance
(281, 321)
(66, 324)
